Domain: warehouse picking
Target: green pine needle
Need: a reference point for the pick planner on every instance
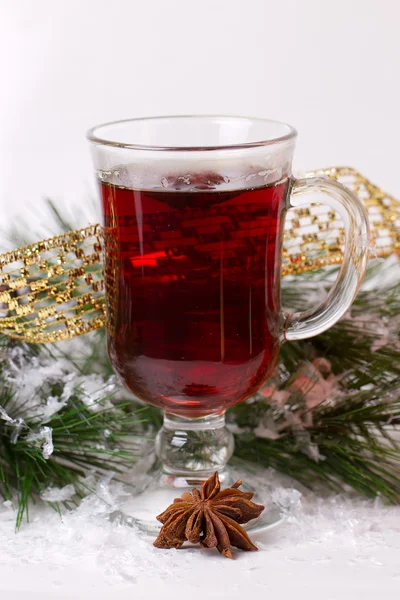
(355, 432)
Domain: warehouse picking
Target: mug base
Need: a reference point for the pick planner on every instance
(140, 509)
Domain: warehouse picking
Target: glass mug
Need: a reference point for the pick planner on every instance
(194, 210)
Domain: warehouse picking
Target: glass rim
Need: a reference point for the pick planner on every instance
(93, 134)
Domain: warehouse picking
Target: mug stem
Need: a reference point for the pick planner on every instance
(192, 449)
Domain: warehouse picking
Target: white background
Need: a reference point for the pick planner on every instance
(330, 68)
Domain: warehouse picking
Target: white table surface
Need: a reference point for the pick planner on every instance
(327, 549)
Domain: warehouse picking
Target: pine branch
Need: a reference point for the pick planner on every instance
(99, 437)
(348, 439)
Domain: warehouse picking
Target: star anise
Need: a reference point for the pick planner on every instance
(209, 516)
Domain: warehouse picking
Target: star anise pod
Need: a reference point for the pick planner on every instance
(209, 516)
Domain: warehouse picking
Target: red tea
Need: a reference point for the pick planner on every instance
(193, 286)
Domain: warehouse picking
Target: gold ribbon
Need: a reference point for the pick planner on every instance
(54, 289)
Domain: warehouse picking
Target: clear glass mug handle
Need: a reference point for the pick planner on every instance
(301, 325)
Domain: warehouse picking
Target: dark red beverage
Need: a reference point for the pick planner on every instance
(193, 290)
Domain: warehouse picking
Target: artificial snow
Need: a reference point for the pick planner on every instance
(323, 544)
(28, 374)
(17, 424)
(44, 437)
(54, 494)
